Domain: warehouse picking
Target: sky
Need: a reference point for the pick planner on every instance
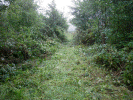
(62, 5)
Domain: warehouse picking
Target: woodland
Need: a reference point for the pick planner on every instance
(41, 60)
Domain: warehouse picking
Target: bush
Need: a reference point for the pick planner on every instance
(13, 54)
(60, 34)
(6, 71)
(85, 37)
(110, 58)
(128, 72)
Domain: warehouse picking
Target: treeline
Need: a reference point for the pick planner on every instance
(24, 33)
(109, 25)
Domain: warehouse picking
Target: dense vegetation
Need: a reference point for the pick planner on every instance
(38, 61)
(26, 34)
(108, 25)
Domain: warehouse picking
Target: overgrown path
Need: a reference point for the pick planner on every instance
(67, 75)
(71, 77)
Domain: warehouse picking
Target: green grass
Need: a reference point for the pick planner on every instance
(66, 75)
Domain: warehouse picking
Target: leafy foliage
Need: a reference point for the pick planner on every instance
(109, 24)
(108, 57)
(56, 22)
(109, 21)
(26, 34)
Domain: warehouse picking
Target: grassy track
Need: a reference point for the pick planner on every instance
(66, 75)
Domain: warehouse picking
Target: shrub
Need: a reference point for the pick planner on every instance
(60, 34)
(85, 37)
(110, 58)
(6, 71)
(13, 54)
(128, 72)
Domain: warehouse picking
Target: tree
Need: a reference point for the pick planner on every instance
(121, 23)
(22, 13)
(109, 20)
(56, 20)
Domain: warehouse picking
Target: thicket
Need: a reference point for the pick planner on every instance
(26, 34)
(107, 23)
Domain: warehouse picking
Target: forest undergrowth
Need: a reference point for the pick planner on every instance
(38, 61)
(69, 74)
